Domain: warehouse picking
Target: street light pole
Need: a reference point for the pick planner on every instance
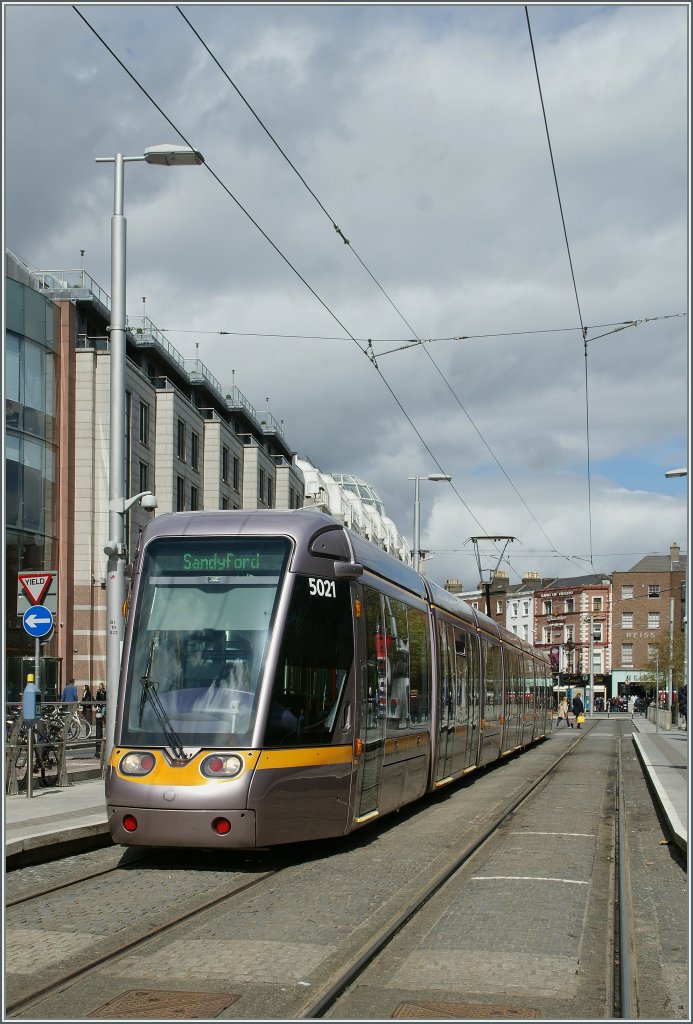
(417, 512)
(117, 503)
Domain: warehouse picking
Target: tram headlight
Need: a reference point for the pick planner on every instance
(221, 766)
(136, 763)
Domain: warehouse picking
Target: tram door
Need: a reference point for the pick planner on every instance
(373, 697)
(446, 713)
(465, 654)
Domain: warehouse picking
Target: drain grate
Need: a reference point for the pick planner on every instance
(152, 1004)
(462, 1011)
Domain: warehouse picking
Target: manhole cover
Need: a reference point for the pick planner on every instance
(154, 1005)
(462, 1011)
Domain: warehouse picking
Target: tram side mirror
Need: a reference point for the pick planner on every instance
(348, 570)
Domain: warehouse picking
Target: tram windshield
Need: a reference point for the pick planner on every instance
(202, 626)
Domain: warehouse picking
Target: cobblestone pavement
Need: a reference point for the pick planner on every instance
(280, 943)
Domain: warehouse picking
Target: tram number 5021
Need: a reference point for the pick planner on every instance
(321, 588)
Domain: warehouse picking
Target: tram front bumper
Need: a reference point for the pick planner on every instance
(181, 828)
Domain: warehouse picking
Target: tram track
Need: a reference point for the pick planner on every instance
(620, 995)
(386, 930)
(319, 1006)
(71, 977)
(36, 894)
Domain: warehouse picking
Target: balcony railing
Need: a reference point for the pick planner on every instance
(235, 399)
(70, 281)
(145, 333)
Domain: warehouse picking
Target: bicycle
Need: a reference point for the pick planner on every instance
(57, 716)
(46, 759)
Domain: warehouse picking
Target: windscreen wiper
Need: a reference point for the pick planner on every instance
(149, 692)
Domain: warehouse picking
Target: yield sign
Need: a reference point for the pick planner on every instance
(35, 585)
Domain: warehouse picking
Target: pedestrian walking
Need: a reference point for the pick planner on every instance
(100, 717)
(87, 700)
(563, 713)
(578, 710)
(70, 693)
(683, 704)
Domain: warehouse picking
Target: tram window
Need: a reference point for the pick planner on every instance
(465, 667)
(202, 622)
(398, 713)
(314, 664)
(493, 681)
(420, 666)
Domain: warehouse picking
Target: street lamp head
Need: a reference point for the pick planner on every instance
(438, 476)
(677, 472)
(171, 155)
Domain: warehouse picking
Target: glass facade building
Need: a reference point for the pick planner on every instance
(32, 338)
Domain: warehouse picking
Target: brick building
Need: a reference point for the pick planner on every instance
(649, 619)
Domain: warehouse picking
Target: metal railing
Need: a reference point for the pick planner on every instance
(16, 743)
(72, 280)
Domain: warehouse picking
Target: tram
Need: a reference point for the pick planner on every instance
(284, 679)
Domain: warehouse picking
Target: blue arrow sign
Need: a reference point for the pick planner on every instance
(37, 621)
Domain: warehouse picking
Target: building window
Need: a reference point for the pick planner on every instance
(569, 605)
(261, 486)
(224, 503)
(627, 592)
(225, 465)
(144, 423)
(525, 632)
(193, 499)
(626, 620)
(180, 494)
(547, 607)
(515, 607)
(653, 590)
(144, 476)
(270, 493)
(547, 634)
(653, 620)
(597, 632)
(596, 604)
(569, 634)
(181, 440)
(652, 652)
(499, 607)
(525, 608)
(627, 655)
(194, 449)
(236, 473)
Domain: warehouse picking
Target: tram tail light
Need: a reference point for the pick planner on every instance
(222, 826)
(358, 747)
(130, 823)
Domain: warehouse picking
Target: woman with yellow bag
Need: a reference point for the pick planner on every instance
(578, 710)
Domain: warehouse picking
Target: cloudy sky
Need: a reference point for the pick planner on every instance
(420, 131)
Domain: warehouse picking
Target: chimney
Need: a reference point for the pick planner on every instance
(675, 552)
(530, 577)
(453, 586)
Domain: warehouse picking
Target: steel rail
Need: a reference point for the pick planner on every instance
(27, 1002)
(147, 855)
(318, 1007)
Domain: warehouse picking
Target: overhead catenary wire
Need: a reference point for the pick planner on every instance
(407, 343)
(572, 274)
(276, 248)
(370, 351)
